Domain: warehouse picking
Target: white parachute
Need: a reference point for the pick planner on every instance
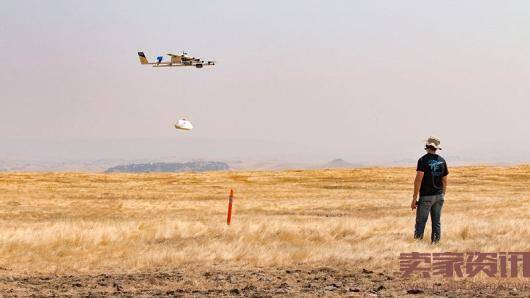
(184, 124)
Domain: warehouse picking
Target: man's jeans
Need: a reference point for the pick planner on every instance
(426, 205)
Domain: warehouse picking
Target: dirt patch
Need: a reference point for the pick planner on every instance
(303, 281)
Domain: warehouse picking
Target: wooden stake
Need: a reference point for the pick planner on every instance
(230, 199)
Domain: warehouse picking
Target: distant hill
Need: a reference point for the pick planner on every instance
(192, 166)
(283, 165)
(338, 163)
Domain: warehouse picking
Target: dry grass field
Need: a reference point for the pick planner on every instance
(72, 224)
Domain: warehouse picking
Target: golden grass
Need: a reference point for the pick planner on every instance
(71, 222)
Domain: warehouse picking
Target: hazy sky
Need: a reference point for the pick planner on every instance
(351, 77)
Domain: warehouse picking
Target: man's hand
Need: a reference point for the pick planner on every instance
(413, 204)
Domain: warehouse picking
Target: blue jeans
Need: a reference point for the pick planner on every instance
(426, 205)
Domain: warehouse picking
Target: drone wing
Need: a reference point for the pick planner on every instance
(175, 59)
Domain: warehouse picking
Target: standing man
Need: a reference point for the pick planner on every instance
(430, 184)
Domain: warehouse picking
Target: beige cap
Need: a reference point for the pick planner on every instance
(433, 141)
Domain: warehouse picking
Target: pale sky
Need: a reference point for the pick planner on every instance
(344, 78)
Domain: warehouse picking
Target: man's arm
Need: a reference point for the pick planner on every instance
(444, 183)
(417, 185)
(444, 177)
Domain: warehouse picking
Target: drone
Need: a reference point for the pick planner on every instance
(175, 60)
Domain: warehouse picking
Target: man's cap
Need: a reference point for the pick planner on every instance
(433, 141)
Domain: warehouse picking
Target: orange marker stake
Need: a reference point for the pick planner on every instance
(229, 215)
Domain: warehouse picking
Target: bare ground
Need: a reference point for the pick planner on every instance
(255, 282)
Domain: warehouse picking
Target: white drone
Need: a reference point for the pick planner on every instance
(175, 60)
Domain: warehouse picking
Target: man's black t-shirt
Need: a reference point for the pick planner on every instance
(434, 168)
